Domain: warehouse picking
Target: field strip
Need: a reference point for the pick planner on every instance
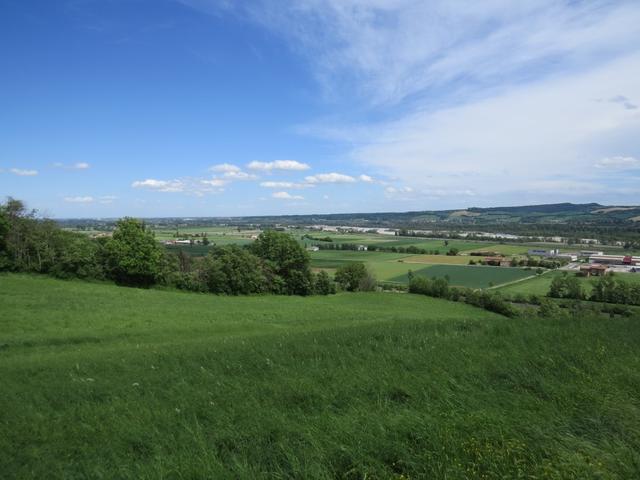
(517, 281)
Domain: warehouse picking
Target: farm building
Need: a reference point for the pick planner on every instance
(615, 259)
(593, 270)
(590, 253)
(572, 257)
(313, 248)
(362, 248)
(497, 261)
(543, 252)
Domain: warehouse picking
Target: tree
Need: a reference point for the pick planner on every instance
(133, 255)
(4, 232)
(350, 276)
(233, 270)
(288, 259)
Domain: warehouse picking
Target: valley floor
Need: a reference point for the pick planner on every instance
(100, 381)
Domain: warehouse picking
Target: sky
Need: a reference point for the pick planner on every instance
(189, 108)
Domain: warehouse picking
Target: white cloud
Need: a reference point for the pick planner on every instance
(86, 199)
(366, 178)
(187, 185)
(286, 185)
(159, 185)
(618, 163)
(225, 168)
(23, 172)
(279, 165)
(286, 196)
(330, 178)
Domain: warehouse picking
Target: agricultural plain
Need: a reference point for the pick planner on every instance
(107, 382)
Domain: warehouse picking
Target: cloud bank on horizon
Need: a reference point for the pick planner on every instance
(422, 105)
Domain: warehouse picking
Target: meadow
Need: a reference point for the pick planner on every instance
(107, 382)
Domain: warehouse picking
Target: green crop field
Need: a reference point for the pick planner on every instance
(100, 381)
(469, 276)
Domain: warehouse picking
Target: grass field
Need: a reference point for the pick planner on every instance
(540, 284)
(469, 276)
(106, 382)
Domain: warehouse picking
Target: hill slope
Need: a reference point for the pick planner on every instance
(107, 382)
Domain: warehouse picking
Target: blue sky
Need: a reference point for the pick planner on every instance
(215, 107)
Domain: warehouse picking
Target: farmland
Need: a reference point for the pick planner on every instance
(469, 276)
(103, 381)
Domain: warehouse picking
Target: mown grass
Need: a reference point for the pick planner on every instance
(107, 382)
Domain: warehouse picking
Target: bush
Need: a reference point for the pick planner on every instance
(323, 285)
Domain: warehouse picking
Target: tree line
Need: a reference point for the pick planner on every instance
(606, 288)
(275, 263)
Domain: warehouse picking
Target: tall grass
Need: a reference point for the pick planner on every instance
(105, 382)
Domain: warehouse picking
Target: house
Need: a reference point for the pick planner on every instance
(313, 248)
(362, 248)
(593, 270)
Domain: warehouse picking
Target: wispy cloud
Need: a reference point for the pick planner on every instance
(23, 172)
(86, 199)
(618, 163)
(73, 166)
(468, 94)
(279, 165)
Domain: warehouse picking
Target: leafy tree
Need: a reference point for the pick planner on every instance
(288, 259)
(351, 276)
(133, 255)
(566, 286)
(232, 270)
(4, 232)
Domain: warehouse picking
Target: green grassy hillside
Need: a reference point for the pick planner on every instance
(106, 382)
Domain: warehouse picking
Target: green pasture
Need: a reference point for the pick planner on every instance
(100, 381)
(469, 276)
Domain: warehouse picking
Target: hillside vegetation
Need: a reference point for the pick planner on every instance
(100, 381)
